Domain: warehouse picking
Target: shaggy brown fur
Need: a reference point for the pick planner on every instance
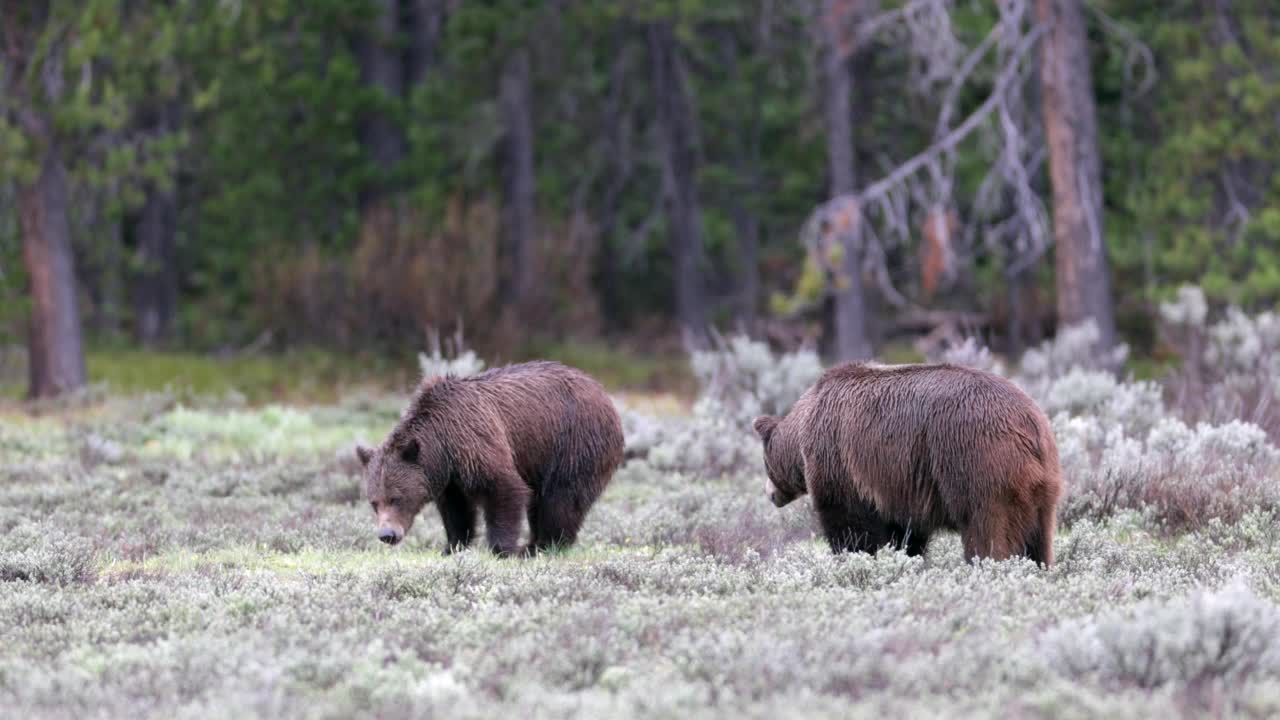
(892, 453)
(537, 441)
(783, 458)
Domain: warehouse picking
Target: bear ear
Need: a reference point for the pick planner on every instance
(409, 453)
(764, 426)
(365, 454)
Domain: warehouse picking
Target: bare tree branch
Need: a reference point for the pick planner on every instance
(962, 131)
(1139, 53)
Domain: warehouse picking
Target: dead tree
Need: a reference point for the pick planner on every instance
(917, 193)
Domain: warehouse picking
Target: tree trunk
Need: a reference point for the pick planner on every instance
(155, 230)
(56, 353)
(424, 24)
(381, 67)
(519, 209)
(618, 163)
(676, 131)
(98, 273)
(155, 289)
(850, 321)
(1080, 255)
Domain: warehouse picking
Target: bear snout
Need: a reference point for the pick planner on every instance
(776, 496)
(390, 536)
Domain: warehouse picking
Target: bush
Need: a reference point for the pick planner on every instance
(1182, 477)
(1230, 368)
(463, 363)
(972, 353)
(737, 382)
(1073, 347)
(1225, 636)
(25, 556)
(743, 378)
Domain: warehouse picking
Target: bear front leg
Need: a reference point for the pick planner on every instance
(459, 516)
(504, 514)
(851, 526)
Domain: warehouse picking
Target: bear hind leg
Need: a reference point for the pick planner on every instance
(554, 524)
(1039, 541)
(459, 516)
(559, 515)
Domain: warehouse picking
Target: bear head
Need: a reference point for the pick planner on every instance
(397, 485)
(783, 464)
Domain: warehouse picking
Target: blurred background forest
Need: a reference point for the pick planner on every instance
(606, 181)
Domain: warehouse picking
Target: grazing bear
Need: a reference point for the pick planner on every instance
(536, 440)
(892, 453)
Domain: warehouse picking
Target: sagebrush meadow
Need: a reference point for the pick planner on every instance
(213, 559)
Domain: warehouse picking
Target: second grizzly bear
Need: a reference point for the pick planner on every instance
(892, 453)
(536, 441)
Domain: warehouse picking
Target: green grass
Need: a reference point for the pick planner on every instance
(900, 353)
(318, 376)
(620, 367)
(299, 376)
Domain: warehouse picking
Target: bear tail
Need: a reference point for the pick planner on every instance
(1039, 540)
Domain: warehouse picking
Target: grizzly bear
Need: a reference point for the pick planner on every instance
(891, 454)
(536, 441)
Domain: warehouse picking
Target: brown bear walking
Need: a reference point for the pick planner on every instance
(892, 453)
(536, 441)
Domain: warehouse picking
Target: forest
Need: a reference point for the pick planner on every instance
(244, 243)
(865, 177)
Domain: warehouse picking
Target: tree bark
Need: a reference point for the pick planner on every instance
(519, 201)
(155, 298)
(381, 67)
(54, 337)
(850, 321)
(425, 22)
(55, 349)
(1080, 256)
(155, 230)
(676, 132)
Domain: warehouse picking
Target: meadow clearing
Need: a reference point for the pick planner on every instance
(213, 559)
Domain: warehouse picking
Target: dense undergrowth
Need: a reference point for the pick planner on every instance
(177, 559)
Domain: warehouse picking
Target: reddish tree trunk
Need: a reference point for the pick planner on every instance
(1080, 255)
(56, 353)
